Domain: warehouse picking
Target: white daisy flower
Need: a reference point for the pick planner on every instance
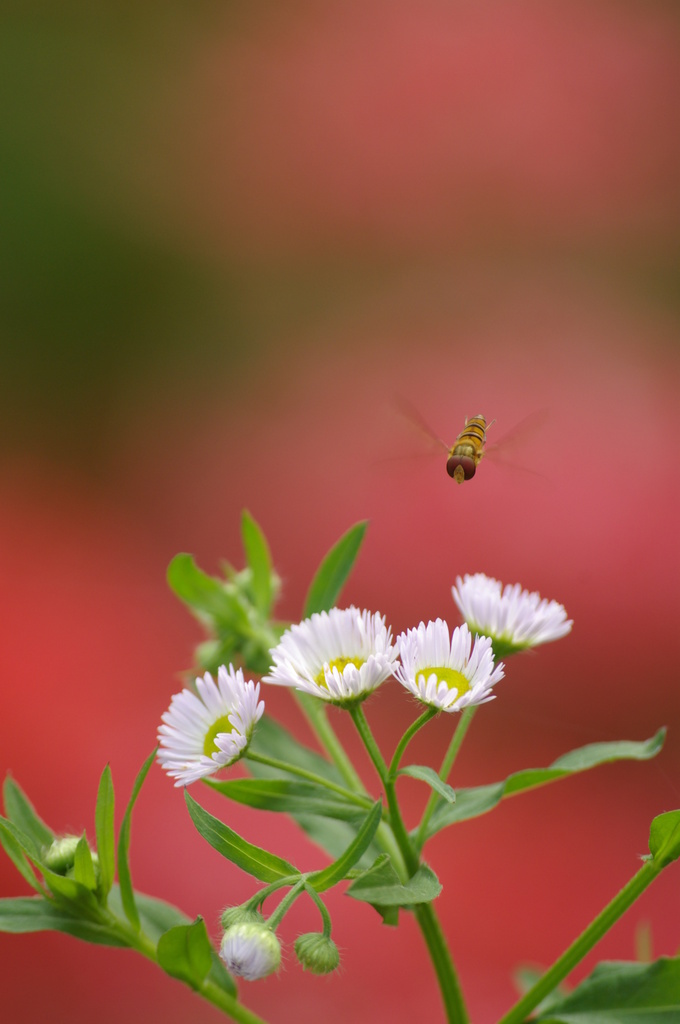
(204, 732)
(449, 673)
(340, 656)
(250, 950)
(512, 617)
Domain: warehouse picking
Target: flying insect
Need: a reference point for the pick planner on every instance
(466, 451)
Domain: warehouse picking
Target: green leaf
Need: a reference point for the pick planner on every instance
(429, 775)
(335, 872)
(284, 795)
(83, 867)
(20, 811)
(124, 877)
(380, 886)
(71, 893)
(622, 993)
(333, 571)
(470, 803)
(14, 850)
(259, 863)
(260, 563)
(205, 594)
(664, 837)
(185, 952)
(24, 914)
(105, 832)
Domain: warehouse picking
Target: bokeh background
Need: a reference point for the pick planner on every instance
(232, 235)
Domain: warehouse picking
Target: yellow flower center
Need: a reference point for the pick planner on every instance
(221, 725)
(339, 663)
(454, 680)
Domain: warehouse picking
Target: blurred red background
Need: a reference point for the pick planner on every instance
(231, 239)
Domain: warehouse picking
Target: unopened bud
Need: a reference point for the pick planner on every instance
(60, 856)
(317, 953)
(250, 950)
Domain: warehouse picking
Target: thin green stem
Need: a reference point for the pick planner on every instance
(583, 944)
(407, 737)
(425, 915)
(315, 713)
(447, 764)
(258, 899)
(273, 762)
(452, 996)
(325, 916)
(275, 919)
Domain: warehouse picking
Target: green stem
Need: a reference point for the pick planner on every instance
(445, 770)
(372, 748)
(325, 916)
(275, 919)
(315, 713)
(407, 737)
(583, 944)
(425, 915)
(319, 780)
(452, 996)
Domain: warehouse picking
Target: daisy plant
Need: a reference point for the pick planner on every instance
(332, 661)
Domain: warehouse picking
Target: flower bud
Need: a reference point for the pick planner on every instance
(317, 953)
(250, 950)
(240, 915)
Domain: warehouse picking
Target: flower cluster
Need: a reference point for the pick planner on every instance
(343, 655)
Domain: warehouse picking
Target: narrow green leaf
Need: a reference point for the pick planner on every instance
(334, 836)
(259, 863)
(185, 952)
(124, 877)
(14, 851)
(24, 914)
(664, 837)
(205, 594)
(83, 867)
(285, 796)
(260, 563)
(622, 993)
(334, 570)
(105, 832)
(429, 775)
(335, 872)
(381, 886)
(21, 812)
(470, 803)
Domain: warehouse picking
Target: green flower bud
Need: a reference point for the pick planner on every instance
(250, 950)
(60, 856)
(240, 915)
(317, 953)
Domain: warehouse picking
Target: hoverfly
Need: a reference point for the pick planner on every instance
(466, 451)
